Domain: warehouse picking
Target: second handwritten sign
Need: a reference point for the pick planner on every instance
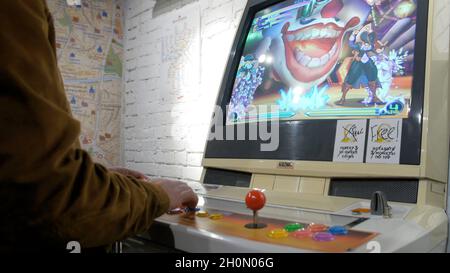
(384, 141)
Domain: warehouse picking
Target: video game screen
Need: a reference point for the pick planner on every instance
(327, 59)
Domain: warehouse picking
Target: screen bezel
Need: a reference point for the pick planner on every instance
(314, 139)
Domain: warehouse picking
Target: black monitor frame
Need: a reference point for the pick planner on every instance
(313, 140)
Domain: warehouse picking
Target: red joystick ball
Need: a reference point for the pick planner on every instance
(255, 200)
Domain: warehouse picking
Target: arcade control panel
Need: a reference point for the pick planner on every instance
(254, 224)
(240, 220)
(292, 234)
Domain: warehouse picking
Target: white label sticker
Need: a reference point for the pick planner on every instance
(384, 141)
(349, 141)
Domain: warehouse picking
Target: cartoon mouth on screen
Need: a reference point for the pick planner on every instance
(327, 59)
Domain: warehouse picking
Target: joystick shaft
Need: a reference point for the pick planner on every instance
(255, 200)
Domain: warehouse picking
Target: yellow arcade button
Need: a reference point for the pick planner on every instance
(216, 216)
(202, 213)
(278, 233)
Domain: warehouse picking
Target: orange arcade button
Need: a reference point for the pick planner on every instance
(317, 228)
(361, 210)
(301, 234)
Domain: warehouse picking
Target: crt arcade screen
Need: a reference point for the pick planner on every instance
(324, 59)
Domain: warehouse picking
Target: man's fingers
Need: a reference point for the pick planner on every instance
(189, 198)
(180, 193)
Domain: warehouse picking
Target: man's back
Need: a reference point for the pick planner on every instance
(51, 190)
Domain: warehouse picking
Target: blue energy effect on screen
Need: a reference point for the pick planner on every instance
(327, 59)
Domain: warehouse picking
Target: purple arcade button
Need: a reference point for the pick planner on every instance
(323, 237)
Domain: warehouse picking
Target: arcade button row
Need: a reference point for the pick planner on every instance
(317, 232)
(255, 200)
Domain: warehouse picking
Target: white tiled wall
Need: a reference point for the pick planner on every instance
(166, 137)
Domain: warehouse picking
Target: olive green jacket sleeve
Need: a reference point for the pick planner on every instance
(47, 183)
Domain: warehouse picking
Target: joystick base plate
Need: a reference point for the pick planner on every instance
(255, 225)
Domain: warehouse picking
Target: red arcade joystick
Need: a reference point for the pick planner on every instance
(255, 200)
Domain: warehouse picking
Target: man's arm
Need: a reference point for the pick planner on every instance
(56, 186)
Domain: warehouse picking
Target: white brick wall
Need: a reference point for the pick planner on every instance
(164, 131)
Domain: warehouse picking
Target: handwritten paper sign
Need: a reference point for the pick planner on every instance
(384, 141)
(349, 141)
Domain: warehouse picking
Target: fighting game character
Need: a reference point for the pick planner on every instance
(362, 67)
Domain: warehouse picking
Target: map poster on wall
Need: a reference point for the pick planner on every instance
(384, 141)
(350, 140)
(89, 43)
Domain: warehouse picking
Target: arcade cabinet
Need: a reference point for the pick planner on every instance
(354, 98)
